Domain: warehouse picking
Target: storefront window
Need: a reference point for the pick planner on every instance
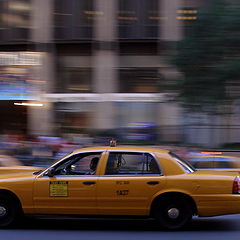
(73, 117)
(74, 80)
(18, 84)
(135, 112)
(140, 80)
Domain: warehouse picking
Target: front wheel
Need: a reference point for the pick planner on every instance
(9, 211)
(173, 214)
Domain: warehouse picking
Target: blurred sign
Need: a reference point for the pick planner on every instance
(20, 58)
(16, 75)
(15, 87)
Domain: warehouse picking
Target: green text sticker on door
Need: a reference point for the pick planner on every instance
(58, 189)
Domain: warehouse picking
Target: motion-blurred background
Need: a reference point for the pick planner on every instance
(144, 71)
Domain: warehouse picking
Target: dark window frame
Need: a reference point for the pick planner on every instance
(140, 173)
(70, 160)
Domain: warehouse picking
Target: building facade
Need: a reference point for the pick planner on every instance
(93, 64)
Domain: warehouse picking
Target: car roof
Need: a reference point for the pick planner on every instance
(214, 157)
(122, 148)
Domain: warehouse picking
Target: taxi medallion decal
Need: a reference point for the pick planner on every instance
(58, 189)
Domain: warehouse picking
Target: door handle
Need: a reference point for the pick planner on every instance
(89, 183)
(153, 182)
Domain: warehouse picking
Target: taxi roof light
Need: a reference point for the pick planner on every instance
(212, 153)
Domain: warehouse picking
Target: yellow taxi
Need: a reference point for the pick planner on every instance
(10, 164)
(6, 161)
(120, 181)
(215, 161)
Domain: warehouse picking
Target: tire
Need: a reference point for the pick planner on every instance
(9, 211)
(173, 214)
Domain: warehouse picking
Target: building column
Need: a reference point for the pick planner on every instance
(41, 119)
(171, 28)
(170, 31)
(105, 61)
(170, 122)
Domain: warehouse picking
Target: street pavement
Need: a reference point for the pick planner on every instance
(215, 228)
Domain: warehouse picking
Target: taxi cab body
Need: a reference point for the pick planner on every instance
(9, 164)
(216, 162)
(127, 181)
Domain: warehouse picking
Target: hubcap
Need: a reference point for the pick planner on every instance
(173, 213)
(3, 211)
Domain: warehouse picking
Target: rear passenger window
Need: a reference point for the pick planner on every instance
(131, 164)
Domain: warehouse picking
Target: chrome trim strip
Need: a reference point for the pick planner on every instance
(65, 176)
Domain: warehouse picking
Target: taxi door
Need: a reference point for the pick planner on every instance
(128, 184)
(68, 191)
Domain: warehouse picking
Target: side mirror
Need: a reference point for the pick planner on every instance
(50, 172)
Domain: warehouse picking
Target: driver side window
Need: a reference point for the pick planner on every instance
(79, 164)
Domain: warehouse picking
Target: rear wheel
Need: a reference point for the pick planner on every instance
(173, 214)
(9, 211)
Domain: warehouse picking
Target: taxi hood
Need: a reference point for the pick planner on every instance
(16, 177)
(18, 169)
